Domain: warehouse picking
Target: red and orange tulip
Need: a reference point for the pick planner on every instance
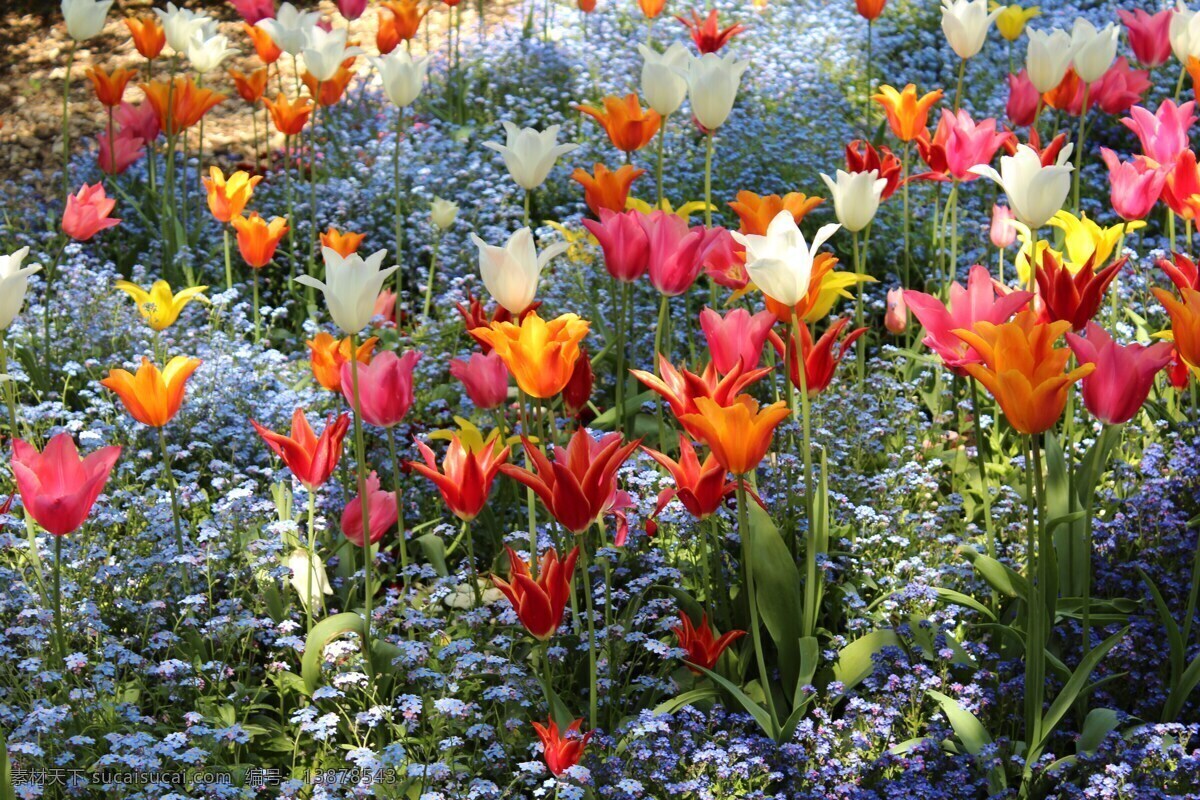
(181, 104)
(327, 355)
(683, 390)
(258, 239)
(605, 188)
(540, 355)
(345, 244)
(264, 45)
(539, 604)
(466, 475)
(561, 753)
(289, 117)
(703, 647)
(907, 114)
(110, 86)
(739, 433)
(228, 198)
(250, 87)
(756, 211)
(148, 35)
(311, 459)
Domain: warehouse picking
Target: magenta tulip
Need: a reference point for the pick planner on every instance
(626, 248)
(968, 143)
(384, 512)
(1023, 99)
(254, 10)
(351, 9)
(736, 337)
(675, 252)
(57, 488)
(1149, 35)
(385, 387)
(1135, 185)
(1124, 374)
(1163, 134)
(484, 376)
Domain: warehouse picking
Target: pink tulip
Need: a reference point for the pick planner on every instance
(384, 511)
(626, 248)
(736, 337)
(675, 252)
(57, 488)
(484, 376)
(126, 150)
(968, 143)
(351, 9)
(1124, 374)
(1163, 134)
(254, 10)
(140, 121)
(87, 213)
(1136, 186)
(1023, 99)
(385, 387)
(1118, 88)
(724, 260)
(895, 319)
(385, 307)
(978, 302)
(1002, 233)
(1149, 35)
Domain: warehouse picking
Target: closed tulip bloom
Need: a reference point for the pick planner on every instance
(250, 87)
(264, 46)
(1163, 134)
(87, 213)
(578, 391)
(179, 104)
(1035, 192)
(737, 336)
(442, 213)
(738, 434)
(1094, 49)
(674, 252)
(228, 198)
(707, 33)
(624, 242)
(907, 114)
(1135, 186)
(325, 51)
(1185, 322)
(402, 75)
(406, 17)
(1012, 19)
(704, 648)
(530, 154)
(350, 287)
(628, 125)
(539, 604)
(484, 376)
(151, 397)
(254, 10)
(85, 18)
(179, 24)
(1047, 58)
(345, 244)
(383, 513)
(351, 9)
(1075, 297)
(1117, 90)
(14, 282)
(1001, 231)
(291, 29)
(586, 6)
(258, 239)
(140, 121)
(701, 488)
(663, 84)
(895, 319)
(110, 88)
(309, 578)
(965, 24)
(327, 354)
(207, 52)
(712, 87)
(148, 36)
(466, 476)
(862, 156)
(781, 262)
(651, 8)
(58, 488)
(1023, 99)
(511, 272)
(1124, 374)
(1023, 369)
(311, 459)
(540, 354)
(289, 117)
(1149, 35)
(385, 387)
(756, 211)
(159, 307)
(856, 197)
(606, 189)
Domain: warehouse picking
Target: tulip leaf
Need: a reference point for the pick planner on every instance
(777, 590)
(687, 604)
(856, 661)
(321, 634)
(973, 735)
(1174, 637)
(1063, 509)
(958, 598)
(1098, 724)
(1091, 467)
(685, 699)
(1181, 691)
(435, 552)
(7, 791)
(760, 714)
(1066, 698)
(999, 576)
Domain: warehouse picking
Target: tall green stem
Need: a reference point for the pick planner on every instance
(399, 207)
(981, 461)
(593, 694)
(1079, 151)
(662, 135)
(708, 160)
(751, 596)
(175, 515)
(360, 452)
(1035, 645)
(396, 473)
(962, 71)
(58, 621)
(312, 554)
(66, 124)
(812, 595)
(228, 262)
(437, 240)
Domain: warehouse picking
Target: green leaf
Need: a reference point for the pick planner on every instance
(687, 603)
(1066, 697)
(1063, 510)
(321, 634)
(435, 552)
(999, 576)
(760, 714)
(685, 699)
(1179, 692)
(7, 791)
(1175, 645)
(778, 588)
(958, 598)
(558, 709)
(855, 664)
(1098, 724)
(971, 733)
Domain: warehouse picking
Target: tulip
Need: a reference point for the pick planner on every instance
(628, 125)
(1023, 369)
(351, 9)
(738, 434)
(756, 212)
(1184, 32)
(1124, 374)
(466, 475)
(1047, 58)
(179, 24)
(1183, 273)
(385, 387)
(383, 513)
(586, 6)
(965, 24)
(85, 18)
(1001, 231)
(681, 388)
(159, 307)
(895, 319)
(57, 487)
(325, 51)
(663, 84)
(1149, 35)
(1086, 241)
(475, 317)
(1163, 134)
(13, 285)
(1094, 50)
(110, 88)
(712, 87)
(530, 154)
(1023, 99)
(540, 355)
(290, 29)
(965, 143)
(511, 272)
(1012, 19)
(707, 32)
(250, 87)
(1135, 186)
(703, 647)
(148, 36)
(606, 189)
(207, 52)
(254, 10)
(350, 287)
(1074, 298)
(140, 121)
(856, 197)
(821, 358)
(443, 213)
(311, 459)
(1035, 192)
(651, 8)
(578, 391)
(327, 355)
(1185, 322)
(485, 378)
(228, 198)
(179, 104)
(736, 338)
(539, 604)
(151, 397)
(674, 252)
(1182, 185)
(1117, 90)
(344, 244)
(264, 46)
(560, 752)
(906, 114)
(868, 9)
(258, 239)
(724, 260)
(402, 75)
(701, 488)
(861, 156)
(309, 579)
(87, 213)
(406, 17)
(781, 262)
(624, 243)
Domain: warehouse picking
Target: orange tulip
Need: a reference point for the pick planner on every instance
(820, 297)
(180, 105)
(345, 244)
(738, 434)
(604, 188)
(907, 114)
(252, 86)
(148, 35)
(227, 198)
(652, 8)
(1185, 322)
(328, 92)
(151, 397)
(406, 17)
(757, 211)
(1023, 370)
(870, 9)
(327, 354)
(264, 45)
(257, 238)
(110, 87)
(629, 126)
(540, 355)
(388, 35)
(289, 118)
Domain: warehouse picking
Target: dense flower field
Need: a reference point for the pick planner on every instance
(786, 399)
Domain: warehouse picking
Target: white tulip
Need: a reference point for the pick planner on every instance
(309, 571)
(325, 51)
(712, 87)
(1047, 58)
(206, 53)
(443, 213)
(1184, 32)
(351, 285)
(780, 263)
(1094, 49)
(663, 84)
(291, 28)
(511, 273)
(85, 18)
(181, 24)
(966, 23)
(856, 197)
(1035, 193)
(403, 76)
(13, 284)
(530, 155)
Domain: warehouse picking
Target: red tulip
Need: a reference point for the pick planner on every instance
(821, 358)
(87, 213)
(680, 388)
(862, 156)
(1178, 372)
(484, 376)
(1183, 273)
(700, 487)
(539, 604)
(578, 390)
(1073, 298)
(310, 459)
(703, 648)
(475, 317)
(384, 511)
(140, 121)
(1149, 35)
(57, 488)
(1023, 99)
(623, 241)
(561, 753)
(707, 32)
(1124, 374)
(1182, 185)
(385, 387)
(736, 337)
(465, 479)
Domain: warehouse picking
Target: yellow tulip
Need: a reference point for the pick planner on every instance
(1083, 238)
(1012, 19)
(684, 212)
(473, 439)
(159, 306)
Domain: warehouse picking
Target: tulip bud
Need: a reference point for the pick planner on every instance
(856, 197)
(403, 76)
(1048, 57)
(443, 213)
(965, 24)
(13, 285)
(484, 376)
(85, 18)
(578, 390)
(896, 318)
(712, 87)
(662, 85)
(1002, 232)
(1094, 50)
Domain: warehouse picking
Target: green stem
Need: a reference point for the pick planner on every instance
(312, 553)
(662, 134)
(751, 596)
(980, 461)
(593, 696)
(66, 123)
(527, 432)
(58, 621)
(525, 218)
(175, 515)
(396, 475)
(860, 347)
(708, 159)
(257, 320)
(399, 222)
(437, 240)
(812, 593)
(228, 263)
(1035, 645)
(312, 180)
(1082, 137)
(360, 453)
(962, 71)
